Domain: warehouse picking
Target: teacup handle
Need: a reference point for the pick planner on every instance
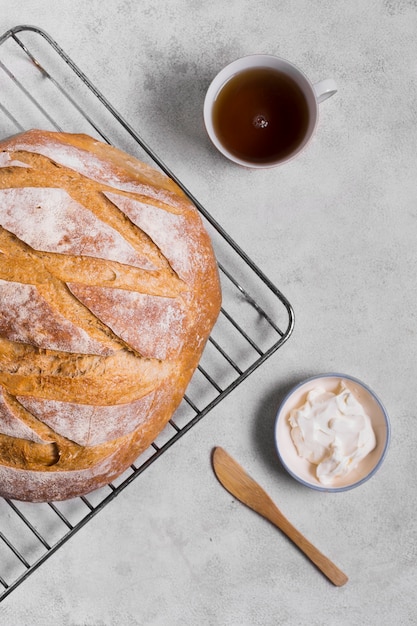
(325, 89)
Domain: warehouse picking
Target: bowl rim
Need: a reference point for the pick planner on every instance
(381, 459)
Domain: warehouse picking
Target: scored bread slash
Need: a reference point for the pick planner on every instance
(20, 451)
(109, 289)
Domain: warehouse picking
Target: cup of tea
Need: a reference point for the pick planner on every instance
(261, 111)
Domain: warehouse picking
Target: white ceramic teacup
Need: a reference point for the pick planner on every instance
(253, 66)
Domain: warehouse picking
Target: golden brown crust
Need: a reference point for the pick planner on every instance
(108, 292)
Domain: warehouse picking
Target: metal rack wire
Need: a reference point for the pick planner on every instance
(40, 86)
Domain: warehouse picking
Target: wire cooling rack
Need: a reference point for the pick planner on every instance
(41, 87)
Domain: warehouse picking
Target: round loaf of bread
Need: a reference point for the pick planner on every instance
(109, 290)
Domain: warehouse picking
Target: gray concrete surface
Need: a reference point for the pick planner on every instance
(336, 231)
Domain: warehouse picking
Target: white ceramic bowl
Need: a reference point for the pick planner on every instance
(304, 471)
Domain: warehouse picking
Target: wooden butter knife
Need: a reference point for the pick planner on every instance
(237, 482)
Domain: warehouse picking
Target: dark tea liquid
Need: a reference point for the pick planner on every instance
(260, 115)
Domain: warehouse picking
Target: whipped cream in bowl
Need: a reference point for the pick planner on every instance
(332, 432)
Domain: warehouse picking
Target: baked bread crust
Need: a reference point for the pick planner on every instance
(109, 290)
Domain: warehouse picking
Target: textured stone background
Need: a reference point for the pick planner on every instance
(335, 230)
